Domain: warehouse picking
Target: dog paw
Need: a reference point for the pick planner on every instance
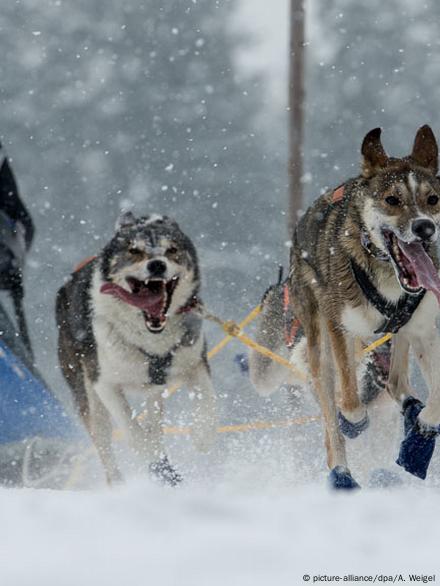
(165, 473)
(352, 429)
(418, 446)
(340, 478)
(383, 478)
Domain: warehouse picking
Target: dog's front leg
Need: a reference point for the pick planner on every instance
(422, 424)
(99, 426)
(204, 430)
(152, 424)
(322, 371)
(353, 418)
(115, 402)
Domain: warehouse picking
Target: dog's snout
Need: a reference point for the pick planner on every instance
(157, 267)
(423, 229)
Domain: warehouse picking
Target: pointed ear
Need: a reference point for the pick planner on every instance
(425, 149)
(125, 219)
(374, 155)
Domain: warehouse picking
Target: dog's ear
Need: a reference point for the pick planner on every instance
(374, 155)
(125, 219)
(425, 149)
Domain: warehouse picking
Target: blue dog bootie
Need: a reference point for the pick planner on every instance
(418, 446)
(340, 478)
(352, 430)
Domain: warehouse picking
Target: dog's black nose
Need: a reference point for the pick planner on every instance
(157, 267)
(423, 229)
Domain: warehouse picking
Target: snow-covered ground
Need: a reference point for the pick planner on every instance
(256, 512)
(141, 534)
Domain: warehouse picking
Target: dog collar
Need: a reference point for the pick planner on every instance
(396, 314)
(372, 249)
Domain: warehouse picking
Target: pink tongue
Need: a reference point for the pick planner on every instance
(423, 266)
(149, 302)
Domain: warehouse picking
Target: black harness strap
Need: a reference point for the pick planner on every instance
(396, 314)
(158, 367)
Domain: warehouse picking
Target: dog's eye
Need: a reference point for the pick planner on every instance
(392, 200)
(172, 250)
(135, 251)
(432, 200)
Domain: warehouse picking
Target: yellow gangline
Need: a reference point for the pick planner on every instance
(247, 320)
(251, 426)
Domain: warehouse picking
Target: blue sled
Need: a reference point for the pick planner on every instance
(27, 407)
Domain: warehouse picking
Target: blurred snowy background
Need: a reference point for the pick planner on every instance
(179, 107)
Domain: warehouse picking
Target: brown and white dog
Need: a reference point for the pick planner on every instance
(126, 322)
(363, 263)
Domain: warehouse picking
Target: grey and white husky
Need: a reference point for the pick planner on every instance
(127, 322)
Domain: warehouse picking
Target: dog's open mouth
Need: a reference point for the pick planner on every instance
(413, 265)
(152, 296)
(155, 297)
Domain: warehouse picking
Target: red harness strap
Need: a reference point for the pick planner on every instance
(291, 324)
(338, 194)
(84, 263)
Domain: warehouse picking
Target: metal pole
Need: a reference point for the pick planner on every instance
(296, 117)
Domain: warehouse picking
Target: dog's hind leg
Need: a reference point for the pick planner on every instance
(353, 418)
(322, 371)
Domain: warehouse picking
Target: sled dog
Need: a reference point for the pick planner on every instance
(127, 322)
(363, 263)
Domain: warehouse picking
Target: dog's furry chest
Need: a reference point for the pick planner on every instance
(363, 319)
(133, 361)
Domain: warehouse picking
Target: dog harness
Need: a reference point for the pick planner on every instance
(159, 364)
(396, 314)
